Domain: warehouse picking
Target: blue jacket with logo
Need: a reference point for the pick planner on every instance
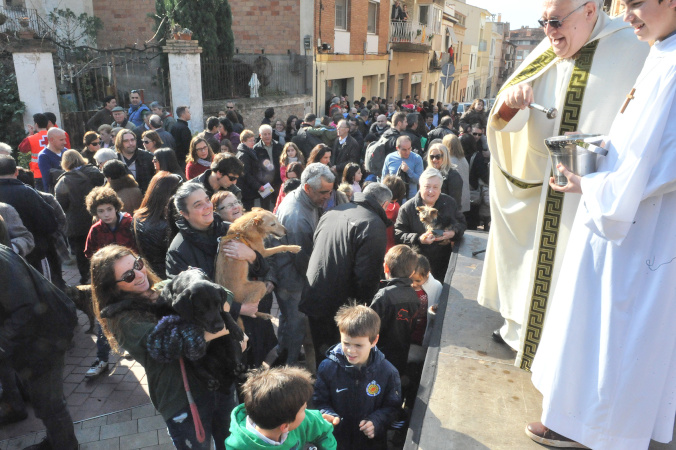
(370, 393)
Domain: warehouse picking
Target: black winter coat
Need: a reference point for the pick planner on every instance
(182, 135)
(37, 320)
(152, 241)
(347, 258)
(409, 228)
(145, 169)
(344, 154)
(37, 216)
(71, 190)
(251, 179)
(396, 303)
(262, 155)
(452, 186)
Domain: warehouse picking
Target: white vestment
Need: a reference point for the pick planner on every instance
(517, 265)
(606, 364)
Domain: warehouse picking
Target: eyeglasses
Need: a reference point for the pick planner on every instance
(477, 134)
(146, 142)
(95, 144)
(556, 23)
(200, 149)
(130, 275)
(439, 157)
(231, 178)
(229, 206)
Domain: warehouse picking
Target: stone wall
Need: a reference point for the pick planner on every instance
(252, 109)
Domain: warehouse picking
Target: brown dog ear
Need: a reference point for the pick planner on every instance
(257, 220)
(419, 208)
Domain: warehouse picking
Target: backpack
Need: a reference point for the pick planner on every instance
(375, 156)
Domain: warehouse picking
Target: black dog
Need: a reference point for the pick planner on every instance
(198, 300)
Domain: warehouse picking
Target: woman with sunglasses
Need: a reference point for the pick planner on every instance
(199, 158)
(92, 144)
(125, 292)
(151, 141)
(438, 158)
(151, 228)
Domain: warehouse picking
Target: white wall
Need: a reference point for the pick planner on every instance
(36, 82)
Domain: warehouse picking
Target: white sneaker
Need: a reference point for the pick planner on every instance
(97, 369)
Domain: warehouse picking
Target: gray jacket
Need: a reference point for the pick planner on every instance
(300, 218)
(21, 239)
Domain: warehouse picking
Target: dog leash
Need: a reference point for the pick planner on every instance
(199, 429)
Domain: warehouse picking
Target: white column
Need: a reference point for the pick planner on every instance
(37, 85)
(186, 79)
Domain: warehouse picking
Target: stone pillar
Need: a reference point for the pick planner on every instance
(34, 69)
(186, 79)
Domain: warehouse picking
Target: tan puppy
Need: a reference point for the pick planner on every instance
(251, 229)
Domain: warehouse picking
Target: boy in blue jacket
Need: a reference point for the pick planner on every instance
(357, 384)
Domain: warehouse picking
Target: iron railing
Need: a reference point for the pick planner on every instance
(410, 32)
(19, 19)
(224, 78)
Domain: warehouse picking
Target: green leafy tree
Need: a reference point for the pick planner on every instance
(209, 20)
(11, 107)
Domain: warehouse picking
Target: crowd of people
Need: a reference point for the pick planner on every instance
(140, 208)
(373, 197)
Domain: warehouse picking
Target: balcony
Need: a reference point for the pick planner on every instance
(410, 36)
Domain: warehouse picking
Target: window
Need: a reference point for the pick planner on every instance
(423, 17)
(341, 14)
(373, 18)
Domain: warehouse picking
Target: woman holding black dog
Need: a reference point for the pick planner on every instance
(133, 317)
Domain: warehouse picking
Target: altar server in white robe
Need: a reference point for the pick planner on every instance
(578, 69)
(607, 361)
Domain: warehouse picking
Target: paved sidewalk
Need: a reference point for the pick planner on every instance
(112, 411)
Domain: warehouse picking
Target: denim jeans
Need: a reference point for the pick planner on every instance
(46, 393)
(214, 409)
(102, 346)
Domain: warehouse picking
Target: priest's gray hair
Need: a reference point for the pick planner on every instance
(430, 172)
(378, 192)
(314, 173)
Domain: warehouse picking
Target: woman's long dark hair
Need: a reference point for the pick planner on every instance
(105, 290)
(168, 161)
(289, 119)
(350, 170)
(317, 153)
(154, 206)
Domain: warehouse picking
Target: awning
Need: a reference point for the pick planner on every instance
(451, 33)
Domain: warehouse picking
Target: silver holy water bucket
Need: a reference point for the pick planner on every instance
(577, 152)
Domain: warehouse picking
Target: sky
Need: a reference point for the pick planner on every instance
(517, 12)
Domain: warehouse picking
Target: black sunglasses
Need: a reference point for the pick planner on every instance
(146, 142)
(231, 178)
(436, 157)
(556, 23)
(477, 134)
(97, 143)
(130, 275)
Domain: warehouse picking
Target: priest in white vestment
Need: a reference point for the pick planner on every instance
(607, 361)
(583, 68)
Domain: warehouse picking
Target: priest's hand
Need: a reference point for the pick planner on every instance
(574, 181)
(519, 96)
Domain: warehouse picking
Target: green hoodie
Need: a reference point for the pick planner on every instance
(313, 429)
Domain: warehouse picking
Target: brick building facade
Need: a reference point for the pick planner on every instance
(272, 26)
(125, 22)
